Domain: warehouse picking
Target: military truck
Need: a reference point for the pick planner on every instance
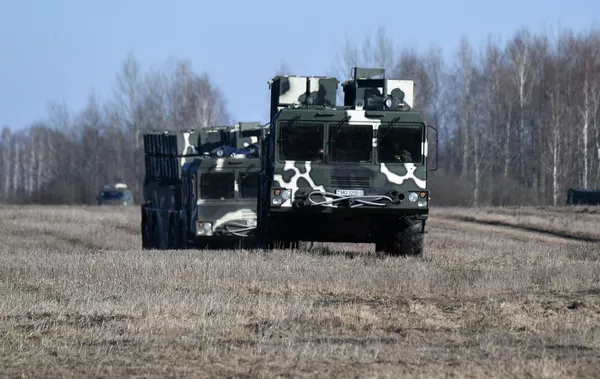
(200, 187)
(355, 172)
(115, 194)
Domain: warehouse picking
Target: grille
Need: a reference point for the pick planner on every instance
(348, 182)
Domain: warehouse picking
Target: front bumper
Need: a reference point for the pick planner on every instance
(412, 200)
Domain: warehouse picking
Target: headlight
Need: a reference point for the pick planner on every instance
(388, 103)
(422, 203)
(413, 196)
(204, 228)
(276, 201)
(286, 194)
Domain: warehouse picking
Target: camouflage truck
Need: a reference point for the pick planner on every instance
(200, 187)
(355, 172)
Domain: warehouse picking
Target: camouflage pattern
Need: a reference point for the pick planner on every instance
(201, 186)
(336, 201)
(375, 179)
(289, 91)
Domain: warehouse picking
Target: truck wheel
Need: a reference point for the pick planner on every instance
(408, 240)
(290, 244)
(147, 240)
(173, 234)
(183, 236)
(380, 247)
(157, 236)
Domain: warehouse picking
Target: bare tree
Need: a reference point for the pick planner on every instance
(90, 126)
(375, 51)
(519, 50)
(209, 103)
(464, 84)
(588, 63)
(434, 66)
(6, 161)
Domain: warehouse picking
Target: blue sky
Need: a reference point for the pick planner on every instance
(63, 49)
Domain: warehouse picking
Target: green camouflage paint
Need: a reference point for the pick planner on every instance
(336, 195)
(200, 189)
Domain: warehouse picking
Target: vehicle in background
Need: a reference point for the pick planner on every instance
(116, 194)
(200, 187)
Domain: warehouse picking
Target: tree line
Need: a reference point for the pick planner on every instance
(518, 121)
(67, 158)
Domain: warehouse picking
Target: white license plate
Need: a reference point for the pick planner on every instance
(343, 192)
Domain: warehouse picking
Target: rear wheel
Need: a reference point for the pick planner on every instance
(174, 233)
(380, 247)
(147, 240)
(289, 244)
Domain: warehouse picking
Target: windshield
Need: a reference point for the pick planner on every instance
(209, 141)
(400, 144)
(350, 143)
(248, 185)
(301, 142)
(250, 133)
(217, 186)
(112, 195)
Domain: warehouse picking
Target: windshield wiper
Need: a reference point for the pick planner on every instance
(337, 132)
(247, 169)
(290, 122)
(380, 135)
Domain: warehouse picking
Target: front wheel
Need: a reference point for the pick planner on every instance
(406, 240)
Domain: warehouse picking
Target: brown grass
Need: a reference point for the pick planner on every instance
(572, 222)
(80, 299)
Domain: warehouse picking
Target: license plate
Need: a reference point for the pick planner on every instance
(344, 192)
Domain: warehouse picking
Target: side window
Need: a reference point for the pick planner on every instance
(301, 142)
(400, 144)
(217, 186)
(248, 185)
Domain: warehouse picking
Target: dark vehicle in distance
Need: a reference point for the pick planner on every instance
(117, 194)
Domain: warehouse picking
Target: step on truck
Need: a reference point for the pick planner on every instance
(200, 187)
(355, 172)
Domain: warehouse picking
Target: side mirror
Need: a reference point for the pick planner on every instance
(436, 148)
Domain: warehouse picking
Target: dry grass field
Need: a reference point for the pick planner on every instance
(511, 292)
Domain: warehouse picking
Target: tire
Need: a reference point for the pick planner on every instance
(408, 240)
(157, 237)
(183, 237)
(173, 243)
(147, 240)
(290, 244)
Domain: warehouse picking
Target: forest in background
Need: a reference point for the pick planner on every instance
(519, 121)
